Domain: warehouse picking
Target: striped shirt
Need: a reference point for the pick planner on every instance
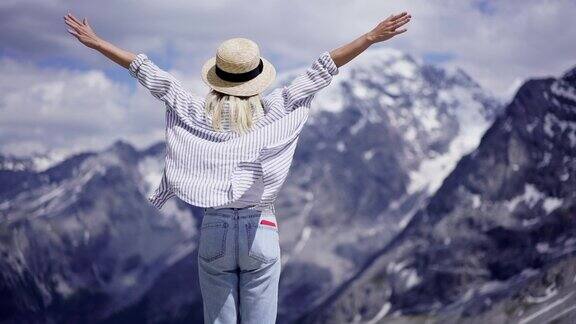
(252, 196)
(209, 168)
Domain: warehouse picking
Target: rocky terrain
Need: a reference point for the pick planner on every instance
(502, 221)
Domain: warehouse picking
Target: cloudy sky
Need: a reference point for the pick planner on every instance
(58, 95)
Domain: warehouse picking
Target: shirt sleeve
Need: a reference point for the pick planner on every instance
(305, 86)
(161, 84)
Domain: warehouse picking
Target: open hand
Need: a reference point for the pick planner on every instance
(389, 28)
(82, 31)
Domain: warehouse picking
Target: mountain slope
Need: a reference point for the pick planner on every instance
(79, 240)
(500, 221)
(380, 140)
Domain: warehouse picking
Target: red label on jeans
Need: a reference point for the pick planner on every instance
(267, 222)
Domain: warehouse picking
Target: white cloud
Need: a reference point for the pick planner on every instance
(47, 108)
(497, 42)
(503, 43)
(514, 39)
(517, 40)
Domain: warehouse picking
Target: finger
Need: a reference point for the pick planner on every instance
(71, 16)
(397, 21)
(401, 23)
(71, 22)
(73, 32)
(398, 16)
(84, 21)
(399, 31)
(73, 25)
(74, 18)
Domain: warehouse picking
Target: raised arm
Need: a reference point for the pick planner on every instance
(160, 83)
(86, 35)
(385, 30)
(319, 75)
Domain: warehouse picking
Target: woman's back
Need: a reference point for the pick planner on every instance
(210, 168)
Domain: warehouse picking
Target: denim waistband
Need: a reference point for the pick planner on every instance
(268, 209)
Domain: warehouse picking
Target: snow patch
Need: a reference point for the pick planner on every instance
(530, 127)
(46, 161)
(303, 239)
(476, 201)
(542, 247)
(330, 100)
(551, 203)
(62, 287)
(412, 278)
(545, 160)
(368, 154)
(408, 275)
(404, 68)
(551, 122)
(354, 129)
(491, 286)
(151, 169)
(340, 146)
(395, 267)
(543, 310)
(471, 124)
(363, 92)
(426, 116)
(393, 89)
(530, 222)
(563, 89)
(385, 100)
(183, 218)
(380, 315)
(410, 134)
(530, 197)
(550, 292)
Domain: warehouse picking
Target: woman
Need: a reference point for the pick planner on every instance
(230, 153)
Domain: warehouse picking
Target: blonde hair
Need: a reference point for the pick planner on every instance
(241, 113)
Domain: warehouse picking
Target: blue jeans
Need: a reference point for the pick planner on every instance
(239, 265)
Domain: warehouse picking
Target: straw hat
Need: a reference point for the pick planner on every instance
(238, 69)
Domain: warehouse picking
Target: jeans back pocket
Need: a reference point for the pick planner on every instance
(263, 240)
(212, 240)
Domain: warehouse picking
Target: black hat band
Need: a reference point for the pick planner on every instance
(240, 77)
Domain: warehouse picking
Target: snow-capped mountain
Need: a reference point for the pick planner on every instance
(497, 241)
(81, 233)
(381, 139)
(80, 237)
(37, 162)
